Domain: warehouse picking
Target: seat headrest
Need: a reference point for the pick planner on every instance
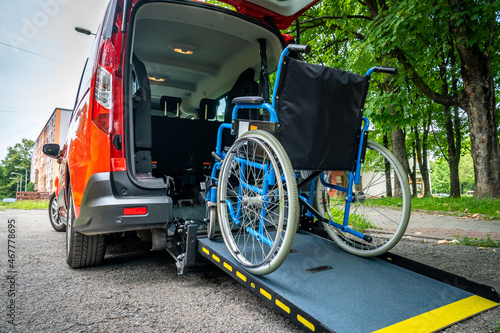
(208, 109)
(169, 103)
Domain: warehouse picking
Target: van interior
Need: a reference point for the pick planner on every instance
(187, 62)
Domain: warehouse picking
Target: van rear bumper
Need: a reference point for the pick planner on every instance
(102, 209)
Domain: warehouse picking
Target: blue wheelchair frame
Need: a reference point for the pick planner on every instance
(354, 177)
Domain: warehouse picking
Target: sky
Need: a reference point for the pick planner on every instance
(41, 61)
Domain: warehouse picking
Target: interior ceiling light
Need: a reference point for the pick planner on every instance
(183, 48)
(156, 79)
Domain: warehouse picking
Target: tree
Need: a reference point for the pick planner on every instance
(472, 30)
(423, 36)
(18, 155)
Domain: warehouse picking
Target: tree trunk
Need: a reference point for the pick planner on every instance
(452, 126)
(399, 150)
(387, 168)
(478, 98)
(413, 169)
(479, 102)
(423, 156)
(425, 159)
(453, 154)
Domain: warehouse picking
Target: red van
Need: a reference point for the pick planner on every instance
(157, 84)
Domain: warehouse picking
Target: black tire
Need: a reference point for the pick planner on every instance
(55, 219)
(370, 213)
(82, 250)
(212, 220)
(259, 243)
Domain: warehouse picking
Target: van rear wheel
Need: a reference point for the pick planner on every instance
(82, 250)
(54, 217)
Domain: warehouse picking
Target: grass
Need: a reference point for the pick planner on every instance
(356, 221)
(487, 209)
(360, 223)
(479, 242)
(25, 205)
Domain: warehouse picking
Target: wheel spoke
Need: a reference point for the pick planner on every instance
(369, 212)
(262, 236)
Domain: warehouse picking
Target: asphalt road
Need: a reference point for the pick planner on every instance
(140, 291)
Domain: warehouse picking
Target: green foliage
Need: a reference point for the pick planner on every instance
(347, 35)
(487, 209)
(421, 38)
(466, 173)
(18, 155)
(476, 20)
(360, 223)
(220, 4)
(4, 180)
(440, 176)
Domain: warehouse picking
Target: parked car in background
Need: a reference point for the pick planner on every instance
(159, 80)
(441, 195)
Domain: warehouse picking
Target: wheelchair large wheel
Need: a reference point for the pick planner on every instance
(257, 202)
(380, 207)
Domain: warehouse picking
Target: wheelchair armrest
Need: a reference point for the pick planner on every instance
(248, 100)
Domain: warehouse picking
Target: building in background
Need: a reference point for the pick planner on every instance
(43, 168)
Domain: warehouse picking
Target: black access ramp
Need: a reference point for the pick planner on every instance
(325, 289)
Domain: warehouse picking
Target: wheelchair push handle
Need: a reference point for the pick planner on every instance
(299, 48)
(382, 69)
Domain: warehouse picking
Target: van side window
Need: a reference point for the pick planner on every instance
(221, 109)
(82, 87)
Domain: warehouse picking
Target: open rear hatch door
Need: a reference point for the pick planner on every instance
(281, 12)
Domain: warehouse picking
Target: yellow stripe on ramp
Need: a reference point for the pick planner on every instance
(282, 305)
(443, 316)
(265, 293)
(306, 323)
(241, 276)
(228, 267)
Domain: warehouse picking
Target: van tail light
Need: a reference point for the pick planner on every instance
(103, 88)
(107, 108)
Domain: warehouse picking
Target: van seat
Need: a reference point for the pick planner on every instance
(142, 119)
(245, 85)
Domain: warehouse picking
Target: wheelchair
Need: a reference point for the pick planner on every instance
(310, 160)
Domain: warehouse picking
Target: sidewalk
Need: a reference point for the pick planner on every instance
(427, 225)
